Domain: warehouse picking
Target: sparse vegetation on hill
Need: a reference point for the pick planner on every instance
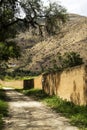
(67, 60)
(38, 55)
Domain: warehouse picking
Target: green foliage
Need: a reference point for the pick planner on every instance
(3, 108)
(77, 114)
(3, 112)
(3, 104)
(6, 32)
(10, 17)
(72, 59)
(55, 16)
(9, 50)
(11, 20)
(69, 59)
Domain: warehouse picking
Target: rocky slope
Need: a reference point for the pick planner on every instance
(38, 55)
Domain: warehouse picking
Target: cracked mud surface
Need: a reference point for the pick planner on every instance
(27, 114)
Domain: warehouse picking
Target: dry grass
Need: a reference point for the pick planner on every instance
(37, 54)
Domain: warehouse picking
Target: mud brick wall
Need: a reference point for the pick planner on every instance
(38, 82)
(24, 84)
(12, 83)
(70, 84)
(33, 83)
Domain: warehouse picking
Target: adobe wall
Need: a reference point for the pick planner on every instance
(38, 82)
(12, 83)
(35, 83)
(70, 84)
(24, 84)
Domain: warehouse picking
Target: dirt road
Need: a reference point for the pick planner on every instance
(27, 114)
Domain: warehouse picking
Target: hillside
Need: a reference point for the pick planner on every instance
(38, 55)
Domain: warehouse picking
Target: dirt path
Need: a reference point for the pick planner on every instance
(27, 114)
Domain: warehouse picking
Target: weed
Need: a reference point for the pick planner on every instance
(3, 108)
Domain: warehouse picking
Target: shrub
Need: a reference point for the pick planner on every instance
(69, 59)
(72, 59)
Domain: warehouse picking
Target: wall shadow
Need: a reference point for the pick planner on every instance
(28, 84)
(75, 96)
(51, 83)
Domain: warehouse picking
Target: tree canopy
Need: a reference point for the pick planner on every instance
(29, 13)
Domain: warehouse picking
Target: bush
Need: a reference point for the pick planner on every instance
(69, 59)
(3, 108)
(72, 59)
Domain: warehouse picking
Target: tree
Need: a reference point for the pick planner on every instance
(9, 49)
(55, 16)
(28, 13)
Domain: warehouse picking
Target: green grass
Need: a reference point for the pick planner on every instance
(3, 108)
(76, 114)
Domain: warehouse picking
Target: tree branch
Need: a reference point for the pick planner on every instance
(1, 2)
(10, 24)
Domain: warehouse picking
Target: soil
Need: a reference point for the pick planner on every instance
(28, 114)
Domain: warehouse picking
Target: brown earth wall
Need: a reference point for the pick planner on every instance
(23, 84)
(70, 84)
(38, 82)
(12, 83)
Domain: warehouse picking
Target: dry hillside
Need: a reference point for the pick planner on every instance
(38, 55)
